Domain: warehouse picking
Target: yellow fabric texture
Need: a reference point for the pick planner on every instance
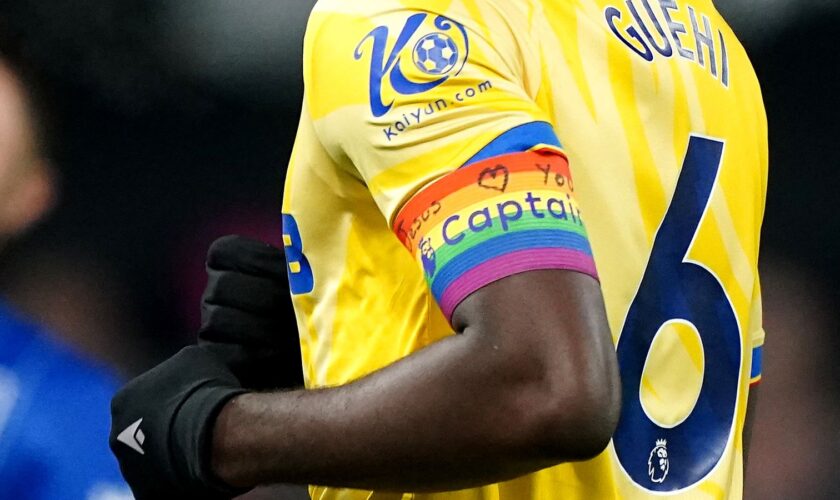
(398, 93)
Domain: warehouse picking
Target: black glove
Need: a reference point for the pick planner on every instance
(247, 315)
(162, 424)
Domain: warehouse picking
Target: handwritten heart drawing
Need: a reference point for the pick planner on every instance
(495, 178)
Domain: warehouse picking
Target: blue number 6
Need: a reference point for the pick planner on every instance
(674, 288)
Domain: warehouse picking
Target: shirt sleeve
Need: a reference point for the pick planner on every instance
(433, 109)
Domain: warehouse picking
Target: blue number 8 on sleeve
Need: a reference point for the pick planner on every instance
(300, 272)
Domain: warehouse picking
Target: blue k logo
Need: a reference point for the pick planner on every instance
(435, 54)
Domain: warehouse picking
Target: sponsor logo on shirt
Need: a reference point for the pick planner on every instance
(427, 51)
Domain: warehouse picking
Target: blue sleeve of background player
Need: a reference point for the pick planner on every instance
(54, 441)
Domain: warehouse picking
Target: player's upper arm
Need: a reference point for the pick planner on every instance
(504, 250)
(440, 123)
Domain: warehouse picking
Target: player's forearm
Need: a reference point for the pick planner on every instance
(451, 416)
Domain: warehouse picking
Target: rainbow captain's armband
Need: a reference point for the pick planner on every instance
(492, 219)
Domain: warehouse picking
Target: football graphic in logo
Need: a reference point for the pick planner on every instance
(436, 54)
(435, 47)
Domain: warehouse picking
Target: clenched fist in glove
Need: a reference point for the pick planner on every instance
(162, 421)
(247, 315)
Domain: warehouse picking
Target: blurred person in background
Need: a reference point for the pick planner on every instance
(53, 400)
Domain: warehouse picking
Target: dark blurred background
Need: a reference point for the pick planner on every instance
(172, 123)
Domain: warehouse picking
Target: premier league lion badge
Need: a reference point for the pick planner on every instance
(658, 461)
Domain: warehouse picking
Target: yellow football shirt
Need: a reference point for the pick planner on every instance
(626, 140)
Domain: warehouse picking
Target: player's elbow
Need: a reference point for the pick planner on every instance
(579, 423)
(584, 421)
(576, 406)
(556, 367)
